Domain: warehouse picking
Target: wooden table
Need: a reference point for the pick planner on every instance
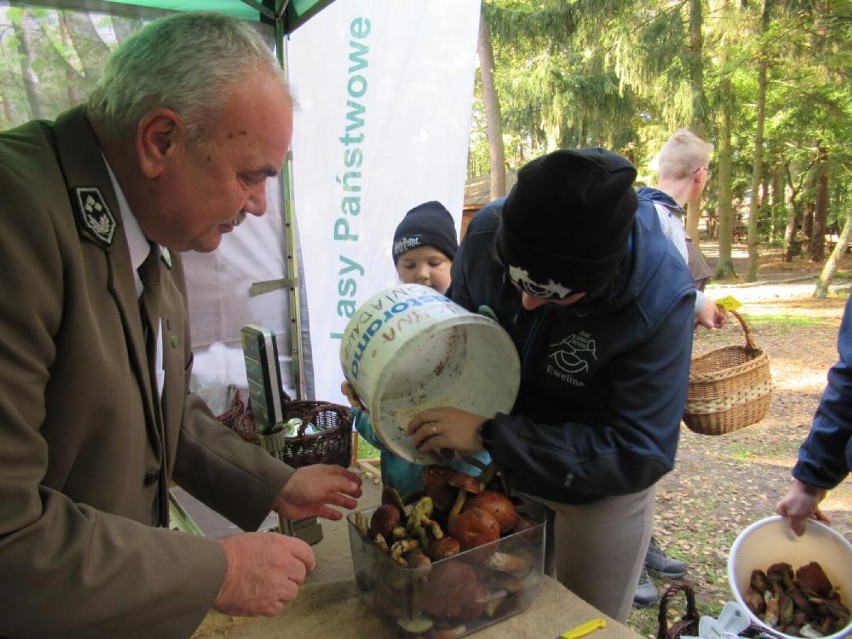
(330, 607)
(334, 610)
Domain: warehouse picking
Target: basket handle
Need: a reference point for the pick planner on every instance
(691, 612)
(319, 408)
(750, 343)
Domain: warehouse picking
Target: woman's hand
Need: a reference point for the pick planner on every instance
(446, 427)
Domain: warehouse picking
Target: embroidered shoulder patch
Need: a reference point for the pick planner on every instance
(95, 216)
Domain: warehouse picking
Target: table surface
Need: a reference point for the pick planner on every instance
(334, 610)
(329, 606)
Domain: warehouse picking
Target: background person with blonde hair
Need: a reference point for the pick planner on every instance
(683, 165)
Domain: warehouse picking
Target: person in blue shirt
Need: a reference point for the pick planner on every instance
(825, 456)
(424, 245)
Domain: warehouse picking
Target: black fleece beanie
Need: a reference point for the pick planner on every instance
(428, 224)
(566, 221)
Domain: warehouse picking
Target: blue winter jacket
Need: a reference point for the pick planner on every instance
(825, 457)
(604, 382)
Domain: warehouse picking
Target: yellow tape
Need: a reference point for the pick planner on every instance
(583, 629)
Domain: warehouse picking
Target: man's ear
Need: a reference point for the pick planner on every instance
(157, 136)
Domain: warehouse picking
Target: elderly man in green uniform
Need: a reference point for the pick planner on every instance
(173, 149)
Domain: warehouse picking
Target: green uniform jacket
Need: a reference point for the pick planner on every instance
(85, 452)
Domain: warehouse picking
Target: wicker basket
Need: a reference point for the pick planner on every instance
(687, 625)
(239, 418)
(729, 388)
(331, 445)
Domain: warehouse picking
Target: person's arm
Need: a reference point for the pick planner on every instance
(636, 446)
(822, 462)
(632, 450)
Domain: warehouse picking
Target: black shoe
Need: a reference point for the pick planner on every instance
(657, 561)
(646, 592)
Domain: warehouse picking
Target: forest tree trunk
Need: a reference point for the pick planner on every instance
(757, 170)
(493, 126)
(725, 267)
(695, 65)
(817, 252)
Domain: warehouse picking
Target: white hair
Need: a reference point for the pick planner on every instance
(187, 62)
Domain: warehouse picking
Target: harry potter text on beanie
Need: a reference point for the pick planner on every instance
(428, 224)
(565, 222)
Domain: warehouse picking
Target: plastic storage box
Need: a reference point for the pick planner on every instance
(453, 597)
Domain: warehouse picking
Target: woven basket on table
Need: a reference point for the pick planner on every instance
(332, 444)
(729, 388)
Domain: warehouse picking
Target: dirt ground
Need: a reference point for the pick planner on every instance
(721, 484)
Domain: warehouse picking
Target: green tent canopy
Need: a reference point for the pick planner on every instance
(281, 17)
(286, 15)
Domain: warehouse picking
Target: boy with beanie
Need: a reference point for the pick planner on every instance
(599, 305)
(424, 245)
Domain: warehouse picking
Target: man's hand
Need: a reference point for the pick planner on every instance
(263, 572)
(311, 489)
(711, 316)
(800, 503)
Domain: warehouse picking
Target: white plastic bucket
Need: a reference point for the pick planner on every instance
(409, 348)
(771, 541)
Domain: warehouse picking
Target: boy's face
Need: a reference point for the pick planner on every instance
(425, 265)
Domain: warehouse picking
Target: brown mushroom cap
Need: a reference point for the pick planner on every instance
(385, 518)
(498, 505)
(473, 528)
(444, 547)
(448, 586)
(436, 483)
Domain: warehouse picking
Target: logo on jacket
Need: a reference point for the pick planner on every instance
(571, 357)
(95, 216)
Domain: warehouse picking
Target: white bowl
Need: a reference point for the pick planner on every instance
(771, 541)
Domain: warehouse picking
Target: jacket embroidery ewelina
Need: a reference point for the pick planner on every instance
(568, 360)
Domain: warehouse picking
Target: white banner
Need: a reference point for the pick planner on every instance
(384, 91)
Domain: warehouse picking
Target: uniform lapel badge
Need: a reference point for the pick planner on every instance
(95, 216)
(166, 257)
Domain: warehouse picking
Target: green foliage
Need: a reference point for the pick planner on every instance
(621, 74)
(366, 450)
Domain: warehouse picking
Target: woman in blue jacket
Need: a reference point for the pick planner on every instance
(599, 305)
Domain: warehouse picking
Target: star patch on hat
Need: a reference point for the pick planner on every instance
(521, 279)
(94, 214)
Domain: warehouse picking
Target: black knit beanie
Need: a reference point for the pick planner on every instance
(428, 224)
(566, 221)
